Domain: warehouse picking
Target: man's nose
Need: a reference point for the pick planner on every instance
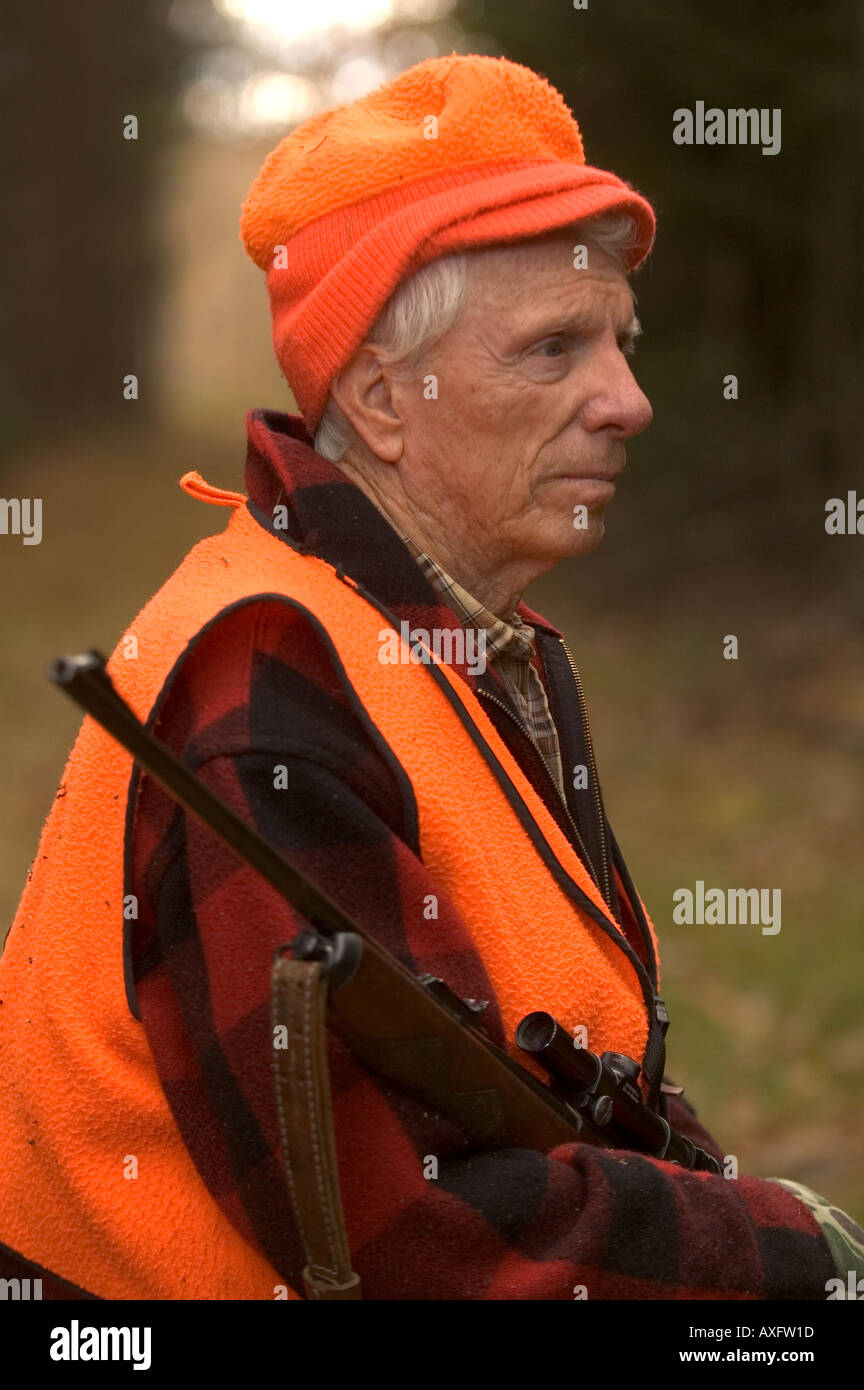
(619, 403)
(636, 409)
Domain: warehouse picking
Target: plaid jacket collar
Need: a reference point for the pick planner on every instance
(332, 518)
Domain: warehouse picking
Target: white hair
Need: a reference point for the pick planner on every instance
(426, 306)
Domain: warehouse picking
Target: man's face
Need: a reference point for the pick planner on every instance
(535, 400)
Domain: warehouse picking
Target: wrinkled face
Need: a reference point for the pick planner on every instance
(520, 451)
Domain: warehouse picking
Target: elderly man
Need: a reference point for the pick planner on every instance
(448, 281)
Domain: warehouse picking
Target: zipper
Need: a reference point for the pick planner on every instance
(595, 781)
(487, 695)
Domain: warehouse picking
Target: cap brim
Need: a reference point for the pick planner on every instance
(547, 212)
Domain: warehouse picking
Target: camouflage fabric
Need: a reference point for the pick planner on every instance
(844, 1236)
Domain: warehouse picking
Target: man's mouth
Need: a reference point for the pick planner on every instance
(608, 474)
(608, 479)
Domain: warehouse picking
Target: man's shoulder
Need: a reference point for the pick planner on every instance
(257, 675)
(256, 694)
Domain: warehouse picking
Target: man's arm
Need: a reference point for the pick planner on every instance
(257, 710)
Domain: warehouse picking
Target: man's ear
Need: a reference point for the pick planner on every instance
(362, 392)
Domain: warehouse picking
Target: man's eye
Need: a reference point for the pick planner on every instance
(552, 347)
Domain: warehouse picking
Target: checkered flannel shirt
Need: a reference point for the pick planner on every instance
(510, 644)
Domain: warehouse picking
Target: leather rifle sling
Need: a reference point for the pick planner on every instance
(304, 1107)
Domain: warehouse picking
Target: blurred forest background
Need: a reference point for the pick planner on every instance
(122, 256)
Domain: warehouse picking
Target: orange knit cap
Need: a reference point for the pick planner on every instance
(453, 153)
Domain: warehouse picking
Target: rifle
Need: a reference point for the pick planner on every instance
(411, 1029)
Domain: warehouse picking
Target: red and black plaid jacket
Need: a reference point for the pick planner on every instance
(506, 1224)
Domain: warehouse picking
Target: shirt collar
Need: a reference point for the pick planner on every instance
(509, 634)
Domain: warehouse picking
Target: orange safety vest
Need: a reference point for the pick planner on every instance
(81, 1103)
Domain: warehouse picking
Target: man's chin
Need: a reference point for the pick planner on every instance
(562, 544)
(583, 540)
